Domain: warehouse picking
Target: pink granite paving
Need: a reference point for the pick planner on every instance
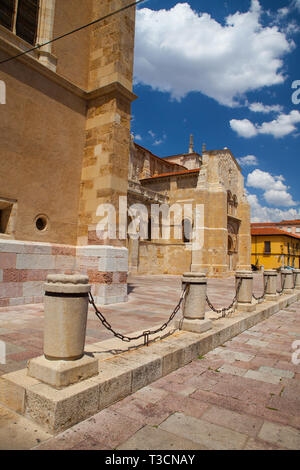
(151, 301)
(233, 398)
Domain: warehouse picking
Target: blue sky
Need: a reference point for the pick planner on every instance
(223, 71)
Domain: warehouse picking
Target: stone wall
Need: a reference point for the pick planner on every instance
(24, 267)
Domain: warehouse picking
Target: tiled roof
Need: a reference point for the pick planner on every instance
(275, 224)
(174, 173)
(271, 231)
(171, 164)
(289, 222)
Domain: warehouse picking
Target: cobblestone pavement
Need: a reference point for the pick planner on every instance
(243, 395)
(151, 301)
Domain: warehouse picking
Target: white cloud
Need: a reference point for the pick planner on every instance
(261, 108)
(282, 12)
(297, 4)
(275, 191)
(151, 133)
(248, 160)
(180, 51)
(243, 127)
(276, 197)
(283, 125)
(138, 137)
(260, 213)
(263, 180)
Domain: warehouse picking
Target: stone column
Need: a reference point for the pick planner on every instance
(45, 33)
(287, 281)
(194, 304)
(66, 309)
(297, 280)
(245, 301)
(270, 277)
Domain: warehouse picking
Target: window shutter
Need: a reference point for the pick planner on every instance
(7, 13)
(27, 20)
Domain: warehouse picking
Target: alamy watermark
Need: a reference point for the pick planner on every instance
(2, 352)
(296, 94)
(296, 354)
(176, 222)
(2, 92)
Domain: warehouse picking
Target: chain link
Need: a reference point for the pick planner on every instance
(145, 334)
(225, 310)
(264, 292)
(282, 285)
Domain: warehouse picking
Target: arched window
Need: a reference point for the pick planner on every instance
(187, 230)
(21, 17)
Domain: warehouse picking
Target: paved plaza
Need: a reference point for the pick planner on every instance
(244, 394)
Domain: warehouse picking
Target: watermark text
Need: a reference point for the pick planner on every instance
(2, 92)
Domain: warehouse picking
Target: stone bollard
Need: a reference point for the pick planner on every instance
(245, 301)
(270, 277)
(287, 279)
(297, 279)
(66, 309)
(194, 304)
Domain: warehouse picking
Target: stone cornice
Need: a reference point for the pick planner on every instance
(32, 62)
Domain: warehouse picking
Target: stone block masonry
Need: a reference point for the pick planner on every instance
(24, 267)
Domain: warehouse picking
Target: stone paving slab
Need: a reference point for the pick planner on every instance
(150, 302)
(51, 408)
(271, 411)
(237, 412)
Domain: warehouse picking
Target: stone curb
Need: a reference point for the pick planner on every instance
(122, 371)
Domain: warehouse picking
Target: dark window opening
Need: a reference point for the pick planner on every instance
(267, 247)
(27, 20)
(7, 8)
(4, 217)
(21, 17)
(41, 223)
(187, 230)
(149, 229)
(1, 223)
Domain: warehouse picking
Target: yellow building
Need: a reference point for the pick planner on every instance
(273, 248)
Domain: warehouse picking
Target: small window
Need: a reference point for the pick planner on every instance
(298, 229)
(21, 17)
(41, 223)
(267, 247)
(289, 229)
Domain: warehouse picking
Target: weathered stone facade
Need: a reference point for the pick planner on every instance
(65, 148)
(212, 180)
(65, 136)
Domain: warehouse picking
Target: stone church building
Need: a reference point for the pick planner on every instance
(65, 149)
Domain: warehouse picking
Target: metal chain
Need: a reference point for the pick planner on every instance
(295, 279)
(145, 334)
(264, 292)
(225, 310)
(282, 286)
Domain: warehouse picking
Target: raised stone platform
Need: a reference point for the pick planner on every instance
(122, 371)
